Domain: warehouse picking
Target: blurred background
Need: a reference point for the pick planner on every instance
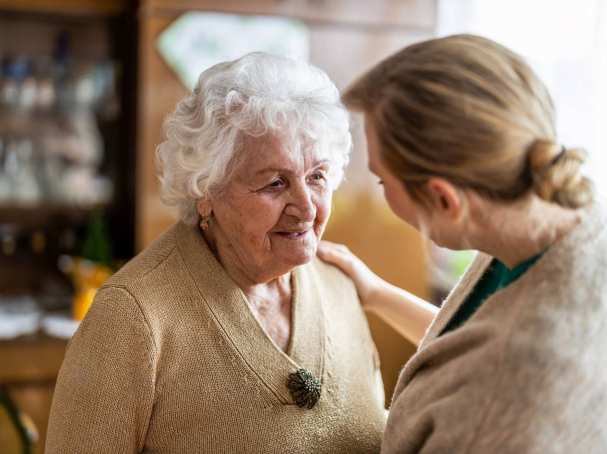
(85, 85)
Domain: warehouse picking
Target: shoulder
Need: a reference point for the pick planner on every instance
(147, 290)
(338, 294)
(341, 305)
(494, 377)
(147, 261)
(549, 371)
(551, 345)
(156, 276)
(531, 353)
(583, 252)
(567, 288)
(115, 324)
(332, 278)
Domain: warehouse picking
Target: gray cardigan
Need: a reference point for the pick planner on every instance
(527, 373)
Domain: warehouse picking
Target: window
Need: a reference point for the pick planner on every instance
(566, 43)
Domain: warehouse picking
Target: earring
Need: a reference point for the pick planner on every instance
(204, 222)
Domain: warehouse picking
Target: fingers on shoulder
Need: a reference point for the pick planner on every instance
(328, 247)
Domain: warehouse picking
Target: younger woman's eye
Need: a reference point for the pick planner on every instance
(380, 182)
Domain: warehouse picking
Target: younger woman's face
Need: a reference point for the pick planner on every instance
(398, 198)
(442, 226)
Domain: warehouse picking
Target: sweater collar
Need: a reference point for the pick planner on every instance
(230, 309)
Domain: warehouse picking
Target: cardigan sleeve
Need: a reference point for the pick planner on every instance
(105, 390)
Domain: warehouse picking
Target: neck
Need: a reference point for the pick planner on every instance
(257, 286)
(515, 232)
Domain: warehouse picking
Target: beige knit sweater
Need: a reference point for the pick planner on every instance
(527, 373)
(171, 360)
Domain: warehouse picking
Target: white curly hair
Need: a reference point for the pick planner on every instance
(256, 95)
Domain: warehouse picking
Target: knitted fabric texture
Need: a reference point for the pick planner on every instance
(527, 373)
(170, 359)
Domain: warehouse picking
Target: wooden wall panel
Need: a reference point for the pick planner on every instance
(160, 90)
(418, 14)
(394, 351)
(68, 7)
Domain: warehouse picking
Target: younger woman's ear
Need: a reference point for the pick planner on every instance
(445, 198)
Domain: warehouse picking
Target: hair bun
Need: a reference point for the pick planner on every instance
(557, 176)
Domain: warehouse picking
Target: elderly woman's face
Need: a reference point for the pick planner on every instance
(272, 213)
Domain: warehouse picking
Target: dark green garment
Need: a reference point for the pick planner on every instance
(496, 277)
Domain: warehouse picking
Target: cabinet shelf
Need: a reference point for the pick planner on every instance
(67, 7)
(44, 215)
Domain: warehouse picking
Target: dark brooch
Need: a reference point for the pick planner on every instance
(304, 387)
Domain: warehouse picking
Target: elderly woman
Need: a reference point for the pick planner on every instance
(461, 134)
(227, 335)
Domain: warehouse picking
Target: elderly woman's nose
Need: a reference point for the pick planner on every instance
(301, 204)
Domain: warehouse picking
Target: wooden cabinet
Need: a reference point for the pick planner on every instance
(96, 32)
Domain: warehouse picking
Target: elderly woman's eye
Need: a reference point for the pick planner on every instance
(318, 177)
(279, 183)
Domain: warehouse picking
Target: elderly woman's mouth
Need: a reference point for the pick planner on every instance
(293, 235)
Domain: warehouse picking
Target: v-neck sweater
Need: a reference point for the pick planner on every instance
(496, 277)
(171, 359)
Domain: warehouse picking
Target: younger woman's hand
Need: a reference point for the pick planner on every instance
(366, 281)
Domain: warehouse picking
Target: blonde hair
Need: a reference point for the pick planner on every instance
(473, 112)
